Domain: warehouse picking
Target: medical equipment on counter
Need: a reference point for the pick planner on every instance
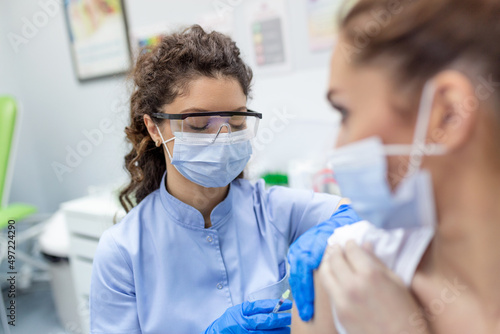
(275, 179)
(312, 175)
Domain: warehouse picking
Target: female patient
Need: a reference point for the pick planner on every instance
(417, 83)
(198, 240)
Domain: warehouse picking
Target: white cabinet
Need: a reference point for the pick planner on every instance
(87, 218)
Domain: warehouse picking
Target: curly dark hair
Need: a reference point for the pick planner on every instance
(159, 76)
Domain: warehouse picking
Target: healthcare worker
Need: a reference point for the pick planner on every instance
(418, 154)
(201, 249)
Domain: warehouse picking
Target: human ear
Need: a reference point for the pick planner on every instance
(153, 130)
(454, 111)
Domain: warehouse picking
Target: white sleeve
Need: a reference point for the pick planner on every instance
(386, 243)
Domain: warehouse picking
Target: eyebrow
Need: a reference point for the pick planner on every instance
(191, 110)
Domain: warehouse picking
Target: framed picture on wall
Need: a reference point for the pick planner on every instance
(98, 35)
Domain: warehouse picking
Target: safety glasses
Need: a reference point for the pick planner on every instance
(209, 127)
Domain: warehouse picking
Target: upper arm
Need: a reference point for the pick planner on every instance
(342, 202)
(322, 322)
(113, 306)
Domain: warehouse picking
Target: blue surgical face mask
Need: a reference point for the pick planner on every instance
(208, 164)
(362, 174)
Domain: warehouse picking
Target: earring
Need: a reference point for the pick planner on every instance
(158, 143)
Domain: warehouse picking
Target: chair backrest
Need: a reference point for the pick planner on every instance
(8, 115)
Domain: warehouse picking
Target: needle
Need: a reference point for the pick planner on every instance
(281, 301)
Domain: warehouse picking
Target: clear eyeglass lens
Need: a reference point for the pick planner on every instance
(212, 124)
(176, 125)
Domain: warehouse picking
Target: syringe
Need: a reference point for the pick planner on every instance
(284, 297)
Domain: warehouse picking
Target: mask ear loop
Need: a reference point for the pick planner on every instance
(420, 148)
(424, 115)
(164, 142)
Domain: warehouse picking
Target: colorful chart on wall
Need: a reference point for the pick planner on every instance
(147, 37)
(98, 37)
(322, 23)
(267, 21)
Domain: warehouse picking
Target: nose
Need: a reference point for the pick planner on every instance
(224, 128)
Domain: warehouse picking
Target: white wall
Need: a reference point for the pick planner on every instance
(58, 110)
(10, 84)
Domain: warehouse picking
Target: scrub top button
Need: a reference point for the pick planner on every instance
(209, 239)
(220, 286)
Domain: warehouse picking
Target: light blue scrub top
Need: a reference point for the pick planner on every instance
(161, 271)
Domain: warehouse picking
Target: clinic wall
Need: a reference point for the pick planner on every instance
(60, 113)
(57, 110)
(7, 84)
(10, 84)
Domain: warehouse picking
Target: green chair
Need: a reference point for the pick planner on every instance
(8, 117)
(16, 211)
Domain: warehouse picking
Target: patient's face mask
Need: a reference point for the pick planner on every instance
(361, 171)
(207, 161)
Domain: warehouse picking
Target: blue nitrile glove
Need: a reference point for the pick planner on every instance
(305, 256)
(253, 317)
